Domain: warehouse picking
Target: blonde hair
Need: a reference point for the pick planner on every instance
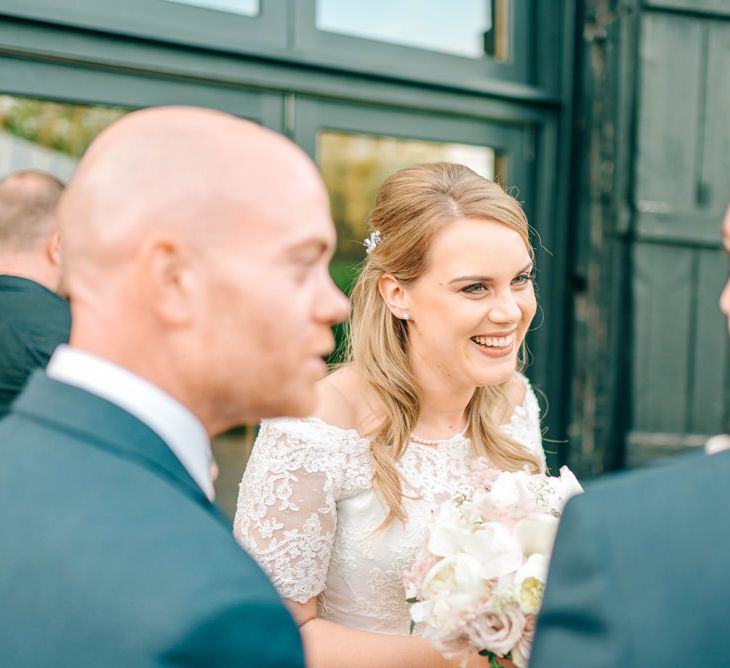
(411, 207)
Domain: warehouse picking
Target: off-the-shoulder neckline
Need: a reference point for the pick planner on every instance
(519, 411)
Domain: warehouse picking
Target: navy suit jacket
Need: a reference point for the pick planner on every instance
(640, 574)
(33, 321)
(112, 556)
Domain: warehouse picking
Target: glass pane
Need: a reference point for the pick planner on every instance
(462, 28)
(50, 136)
(354, 166)
(245, 7)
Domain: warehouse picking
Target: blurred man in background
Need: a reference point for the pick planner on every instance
(34, 319)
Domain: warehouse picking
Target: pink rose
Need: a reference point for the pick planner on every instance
(521, 651)
(498, 632)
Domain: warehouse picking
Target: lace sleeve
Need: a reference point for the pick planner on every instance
(286, 516)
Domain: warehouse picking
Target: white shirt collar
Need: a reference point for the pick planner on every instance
(175, 424)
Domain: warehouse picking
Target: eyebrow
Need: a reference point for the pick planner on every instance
(486, 279)
(309, 244)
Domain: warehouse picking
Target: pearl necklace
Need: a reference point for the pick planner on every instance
(437, 441)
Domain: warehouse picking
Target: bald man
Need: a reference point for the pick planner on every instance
(196, 249)
(34, 319)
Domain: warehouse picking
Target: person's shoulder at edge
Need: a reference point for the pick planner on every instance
(669, 475)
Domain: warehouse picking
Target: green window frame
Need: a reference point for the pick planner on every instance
(69, 83)
(166, 21)
(534, 31)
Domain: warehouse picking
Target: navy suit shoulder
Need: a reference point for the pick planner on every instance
(114, 555)
(638, 571)
(33, 322)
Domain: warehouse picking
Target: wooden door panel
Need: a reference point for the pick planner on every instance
(716, 158)
(662, 310)
(708, 345)
(669, 104)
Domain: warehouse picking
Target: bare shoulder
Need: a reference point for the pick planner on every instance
(341, 399)
(517, 388)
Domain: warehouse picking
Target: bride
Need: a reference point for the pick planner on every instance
(334, 506)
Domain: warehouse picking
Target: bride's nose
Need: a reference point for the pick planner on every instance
(505, 309)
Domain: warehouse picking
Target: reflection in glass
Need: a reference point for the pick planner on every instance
(354, 166)
(457, 28)
(245, 7)
(51, 136)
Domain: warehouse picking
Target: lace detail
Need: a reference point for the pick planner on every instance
(286, 514)
(308, 513)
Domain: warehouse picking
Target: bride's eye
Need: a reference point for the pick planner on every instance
(475, 289)
(523, 279)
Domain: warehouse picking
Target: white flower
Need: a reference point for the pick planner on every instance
(490, 545)
(569, 485)
(511, 489)
(453, 585)
(536, 534)
(529, 583)
(480, 575)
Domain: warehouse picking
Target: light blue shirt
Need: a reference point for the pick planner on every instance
(168, 418)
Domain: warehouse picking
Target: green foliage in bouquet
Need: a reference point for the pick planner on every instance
(493, 658)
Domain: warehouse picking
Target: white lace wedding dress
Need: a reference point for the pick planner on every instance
(307, 512)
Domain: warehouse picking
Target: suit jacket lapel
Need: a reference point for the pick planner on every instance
(103, 424)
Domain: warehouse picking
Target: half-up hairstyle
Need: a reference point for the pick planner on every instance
(411, 207)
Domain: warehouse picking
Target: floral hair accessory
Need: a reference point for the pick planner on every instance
(371, 243)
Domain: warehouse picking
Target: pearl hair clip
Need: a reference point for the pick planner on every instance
(371, 243)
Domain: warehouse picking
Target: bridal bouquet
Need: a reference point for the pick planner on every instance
(477, 583)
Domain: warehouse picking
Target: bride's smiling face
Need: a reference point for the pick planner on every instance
(470, 310)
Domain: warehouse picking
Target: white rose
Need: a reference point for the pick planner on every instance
(511, 489)
(453, 585)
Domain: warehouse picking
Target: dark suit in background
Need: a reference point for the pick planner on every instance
(117, 557)
(640, 575)
(33, 321)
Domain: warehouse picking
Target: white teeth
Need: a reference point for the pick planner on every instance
(495, 341)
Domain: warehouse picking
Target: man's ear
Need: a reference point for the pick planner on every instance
(394, 295)
(53, 249)
(167, 279)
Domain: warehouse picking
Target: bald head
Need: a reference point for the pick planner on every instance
(186, 171)
(27, 205)
(196, 247)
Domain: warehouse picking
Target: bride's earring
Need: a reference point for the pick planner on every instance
(405, 316)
